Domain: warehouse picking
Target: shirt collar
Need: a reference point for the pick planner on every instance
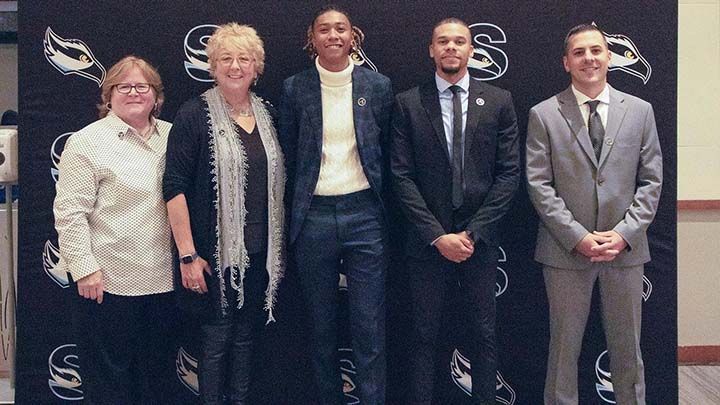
(443, 85)
(121, 127)
(603, 97)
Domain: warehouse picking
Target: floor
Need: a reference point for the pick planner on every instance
(699, 385)
(7, 394)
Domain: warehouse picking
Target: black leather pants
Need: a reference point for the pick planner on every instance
(226, 358)
(225, 361)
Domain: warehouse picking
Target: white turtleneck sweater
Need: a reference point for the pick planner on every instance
(340, 169)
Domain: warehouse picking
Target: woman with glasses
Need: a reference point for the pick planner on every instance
(115, 240)
(224, 186)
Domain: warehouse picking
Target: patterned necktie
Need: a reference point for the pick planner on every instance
(457, 150)
(595, 128)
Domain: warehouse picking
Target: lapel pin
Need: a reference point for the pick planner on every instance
(361, 102)
(480, 101)
(609, 141)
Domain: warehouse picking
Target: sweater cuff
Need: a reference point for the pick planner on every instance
(82, 267)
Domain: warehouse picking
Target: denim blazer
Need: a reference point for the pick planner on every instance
(300, 133)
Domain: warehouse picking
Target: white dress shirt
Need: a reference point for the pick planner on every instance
(602, 108)
(446, 107)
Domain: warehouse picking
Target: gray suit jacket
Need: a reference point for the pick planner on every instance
(575, 194)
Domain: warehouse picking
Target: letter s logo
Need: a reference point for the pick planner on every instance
(488, 62)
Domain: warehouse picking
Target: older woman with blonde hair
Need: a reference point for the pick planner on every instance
(115, 239)
(224, 187)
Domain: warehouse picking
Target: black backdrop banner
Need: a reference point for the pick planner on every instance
(66, 46)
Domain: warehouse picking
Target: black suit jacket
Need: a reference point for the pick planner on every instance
(422, 171)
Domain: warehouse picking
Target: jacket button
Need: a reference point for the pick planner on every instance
(601, 180)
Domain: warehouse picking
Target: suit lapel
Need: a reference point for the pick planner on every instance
(571, 112)
(361, 91)
(473, 114)
(616, 114)
(431, 103)
(312, 100)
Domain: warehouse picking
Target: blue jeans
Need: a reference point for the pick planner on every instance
(348, 228)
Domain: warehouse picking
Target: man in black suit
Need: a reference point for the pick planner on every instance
(455, 170)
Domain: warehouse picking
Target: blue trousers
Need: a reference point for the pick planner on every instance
(348, 229)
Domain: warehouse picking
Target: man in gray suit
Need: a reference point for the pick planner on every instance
(594, 171)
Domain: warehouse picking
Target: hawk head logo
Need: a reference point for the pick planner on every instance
(359, 58)
(56, 150)
(348, 373)
(647, 288)
(65, 380)
(488, 62)
(54, 266)
(196, 60)
(604, 386)
(342, 282)
(186, 367)
(460, 373)
(502, 281)
(626, 57)
(72, 57)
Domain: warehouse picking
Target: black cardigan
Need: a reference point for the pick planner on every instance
(188, 171)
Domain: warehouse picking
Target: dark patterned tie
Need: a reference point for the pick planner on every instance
(595, 128)
(457, 150)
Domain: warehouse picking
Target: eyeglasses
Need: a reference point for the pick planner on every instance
(126, 88)
(243, 60)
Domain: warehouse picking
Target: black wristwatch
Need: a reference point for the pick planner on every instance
(187, 259)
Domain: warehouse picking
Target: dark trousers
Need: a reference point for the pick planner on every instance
(127, 349)
(430, 281)
(226, 344)
(348, 228)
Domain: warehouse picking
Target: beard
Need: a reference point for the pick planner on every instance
(449, 70)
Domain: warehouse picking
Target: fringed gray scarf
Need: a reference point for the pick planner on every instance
(230, 169)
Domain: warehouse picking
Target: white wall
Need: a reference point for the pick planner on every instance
(698, 278)
(699, 100)
(8, 77)
(699, 172)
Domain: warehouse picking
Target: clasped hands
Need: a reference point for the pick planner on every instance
(456, 247)
(601, 246)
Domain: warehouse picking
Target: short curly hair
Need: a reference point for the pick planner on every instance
(115, 74)
(358, 35)
(239, 37)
